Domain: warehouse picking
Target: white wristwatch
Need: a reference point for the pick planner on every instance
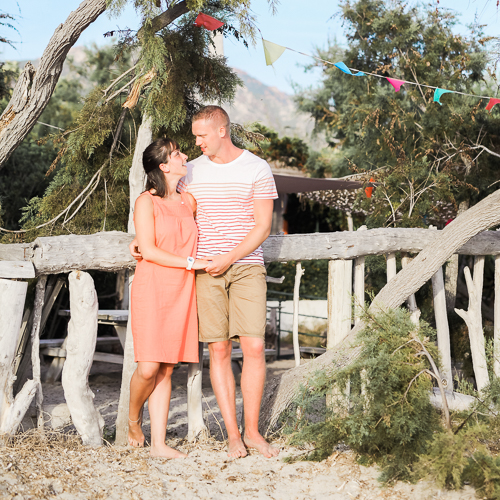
(190, 262)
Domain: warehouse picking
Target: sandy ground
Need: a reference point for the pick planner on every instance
(33, 467)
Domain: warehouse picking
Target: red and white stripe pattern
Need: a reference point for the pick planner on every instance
(225, 194)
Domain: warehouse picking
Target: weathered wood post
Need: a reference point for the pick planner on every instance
(12, 411)
(35, 347)
(411, 301)
(473, 319)
(442, 328)
(391, 266)
(496, 328)
(451, 270)
(196, 424)
(137, 183)
(80, 348)
(359, 284)
(339, 301)
(295, 325)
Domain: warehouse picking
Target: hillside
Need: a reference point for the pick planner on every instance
(255, 102)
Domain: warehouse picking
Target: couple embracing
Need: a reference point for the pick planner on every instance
(230, 191)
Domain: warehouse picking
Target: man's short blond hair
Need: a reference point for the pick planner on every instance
(214, 113)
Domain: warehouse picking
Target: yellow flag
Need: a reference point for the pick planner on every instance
(272, 51)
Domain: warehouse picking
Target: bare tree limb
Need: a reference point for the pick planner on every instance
(34, 88)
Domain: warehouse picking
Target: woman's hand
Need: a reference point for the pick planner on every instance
(134, 250)
(200, 264)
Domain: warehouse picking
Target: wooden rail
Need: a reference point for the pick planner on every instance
(108, 251)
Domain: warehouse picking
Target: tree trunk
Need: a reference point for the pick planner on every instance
(80, 348)
(137, 183)
(280, 391)
(12, 411)
(34, 89)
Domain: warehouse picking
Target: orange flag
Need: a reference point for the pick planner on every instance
(369, 189)
(492, 103)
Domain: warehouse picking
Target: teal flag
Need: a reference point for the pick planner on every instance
(345, 69)
(439, 92)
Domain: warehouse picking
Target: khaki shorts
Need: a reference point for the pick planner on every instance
(233, 304)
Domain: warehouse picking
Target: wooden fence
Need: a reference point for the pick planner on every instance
(346, 251)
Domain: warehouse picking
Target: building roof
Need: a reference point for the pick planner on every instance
(299, 184)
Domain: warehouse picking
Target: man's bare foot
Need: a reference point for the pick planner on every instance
(261, 445)
(236, 448)
(165, 451)
(135, 434)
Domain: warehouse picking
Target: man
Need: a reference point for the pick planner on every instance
(234, 191)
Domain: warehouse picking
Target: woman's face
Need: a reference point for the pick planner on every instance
(177, 163)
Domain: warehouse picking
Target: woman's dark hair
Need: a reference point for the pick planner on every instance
(156, 153)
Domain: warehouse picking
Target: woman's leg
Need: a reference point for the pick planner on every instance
(141, 386)
(159, 405)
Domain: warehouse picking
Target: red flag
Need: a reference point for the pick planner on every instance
(208, 22)
(492, 103)
(369, 189)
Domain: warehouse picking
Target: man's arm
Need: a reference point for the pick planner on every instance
(263, 215)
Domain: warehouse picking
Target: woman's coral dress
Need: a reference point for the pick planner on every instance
(163, 301)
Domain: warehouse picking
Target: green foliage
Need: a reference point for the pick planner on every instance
(290, 152)
(387, 417)
(27, 173)
(420, 153)
(379, 406)
(175, 73)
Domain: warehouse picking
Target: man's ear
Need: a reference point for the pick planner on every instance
(222, 132)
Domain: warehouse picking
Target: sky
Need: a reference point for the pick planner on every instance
(298, 24)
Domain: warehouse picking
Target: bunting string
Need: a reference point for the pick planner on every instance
(273, 52)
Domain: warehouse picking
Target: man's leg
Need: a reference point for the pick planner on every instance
(223, 384)
(253, 378)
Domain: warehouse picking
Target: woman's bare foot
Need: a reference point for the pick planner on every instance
(236, 448)
(165, 451)
(261, 445)
(135, 434)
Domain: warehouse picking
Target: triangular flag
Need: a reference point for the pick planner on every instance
(396, 83)
(492, 102)
(369, 189)
(272, 51)
(345, 69)
(208, 22)
(438, 93)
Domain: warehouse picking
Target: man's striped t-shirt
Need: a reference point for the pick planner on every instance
(224, 194)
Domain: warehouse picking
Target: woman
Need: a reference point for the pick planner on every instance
(163, 301)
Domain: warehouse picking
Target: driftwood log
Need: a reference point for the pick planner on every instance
(108, 251)
(474, 321)
(80, 347)
(12, 411)
(281, 391)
